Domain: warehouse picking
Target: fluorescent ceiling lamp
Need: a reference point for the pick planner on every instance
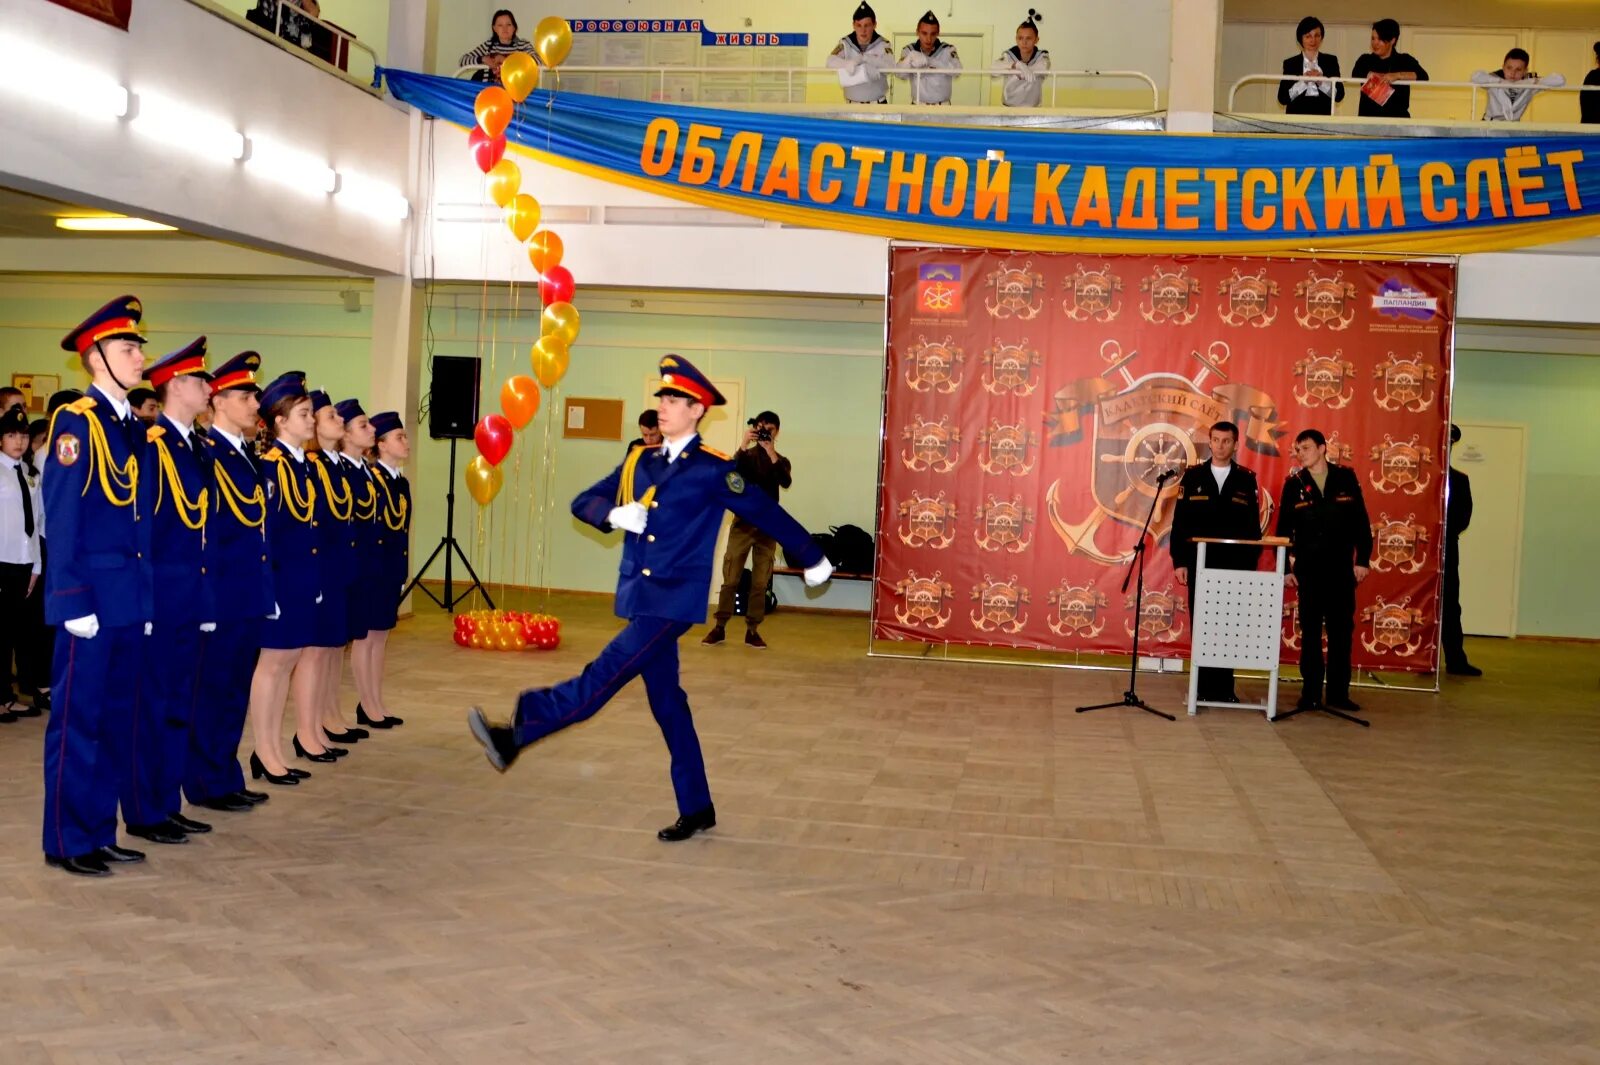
(290, 167)
(187, 129)
(113, 224)
(468, 212)
(371, 197)
(47, 78)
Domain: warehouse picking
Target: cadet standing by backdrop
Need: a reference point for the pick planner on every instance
(670, 501)
(1457, 516)
(97, 588)
(863, 59)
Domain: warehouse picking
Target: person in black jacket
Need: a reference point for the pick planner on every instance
(1217, 498)
(1589, 102)
(1394, 66)
(1457, 516)
(1310, 97)
(1324, 517)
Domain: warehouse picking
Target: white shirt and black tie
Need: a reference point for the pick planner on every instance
(20, 510)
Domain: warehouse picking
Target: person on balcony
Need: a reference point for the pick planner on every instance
(862, 57)
(1382, 96)
(929, 53)
(1310, 97)
(1025, 65)
(1511, 88)
(1589, 102)
(503, 41)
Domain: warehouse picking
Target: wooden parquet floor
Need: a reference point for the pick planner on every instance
(914, 862)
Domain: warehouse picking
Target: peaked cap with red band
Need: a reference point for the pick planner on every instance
(679, 377)
(118, 319)
(237, 372)
(189, 359)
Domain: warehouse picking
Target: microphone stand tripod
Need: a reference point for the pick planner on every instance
(1135, 574)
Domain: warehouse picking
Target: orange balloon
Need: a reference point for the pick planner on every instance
(520, 75)
(504, 179)
(519, 398)
(545, 250)
(560, 320)
(483, 482)
(550, 359)
(523, 215)
(494, 108)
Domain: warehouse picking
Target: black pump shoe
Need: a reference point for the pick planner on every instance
(320, 756)
(258, 771)
(384, 722)
(348, 736)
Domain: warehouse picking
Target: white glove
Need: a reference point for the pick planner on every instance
(208, 626)
(855, 63)
(319, 598)
(918, 59)
(274, 615)
(630, 516)
(815, 575)
(149, 627)
(84, 628)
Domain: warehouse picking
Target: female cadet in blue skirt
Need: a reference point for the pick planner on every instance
(393, 561)
(296, 574)
(365, 525)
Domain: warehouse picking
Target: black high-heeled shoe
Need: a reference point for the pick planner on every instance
(347, 736)
(258, 771)
(320, 756)
(385, 722)
(299, 774)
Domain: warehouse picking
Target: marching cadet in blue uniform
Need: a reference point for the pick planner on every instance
(393, 566)
(97, 588)
(364, 524)
(670, 501)
(175, 495)
(296, 573)
(241, 572)
(317, 672)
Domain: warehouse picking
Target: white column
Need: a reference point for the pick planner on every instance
(1192, 71)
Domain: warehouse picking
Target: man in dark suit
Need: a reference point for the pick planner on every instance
(678, 492)
(1324, 517)
(1310, 97)
(1457, 516)
(1218, 498)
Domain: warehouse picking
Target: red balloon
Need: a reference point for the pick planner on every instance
(557, 286)
(494, 435)
(486, 150)
(462, 639)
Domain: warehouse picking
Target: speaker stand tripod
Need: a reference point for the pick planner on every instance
(451, 549)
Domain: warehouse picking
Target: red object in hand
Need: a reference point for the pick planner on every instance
(486, 150)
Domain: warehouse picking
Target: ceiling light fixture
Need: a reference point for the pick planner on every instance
(115, 223)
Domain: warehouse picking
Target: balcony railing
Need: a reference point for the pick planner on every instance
(1475, 102)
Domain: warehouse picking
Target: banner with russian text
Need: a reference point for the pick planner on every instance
(1057, 190)
(1033, 401)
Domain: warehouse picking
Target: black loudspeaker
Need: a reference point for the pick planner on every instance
(453, 402)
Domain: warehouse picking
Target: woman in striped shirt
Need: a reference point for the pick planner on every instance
(503, 40)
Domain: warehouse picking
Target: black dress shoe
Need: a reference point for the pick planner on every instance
(350, 736)
(499, 742)
(41, 702)
(1308, 704)
(254, 798)
(258, 770)
(115, 855)
(188, 824)
(320, 756)
(299, 774)
(389, 721)
(160, 832)
(1457, 669)
(227, 803)
(83, 865)
(1343, 702)
(688, 825)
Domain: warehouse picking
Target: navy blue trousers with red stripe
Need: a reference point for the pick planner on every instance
(94, 684)
(158, 751)
(647, 648)
(222, 702)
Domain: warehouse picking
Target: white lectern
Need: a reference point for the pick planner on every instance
(1238, 621)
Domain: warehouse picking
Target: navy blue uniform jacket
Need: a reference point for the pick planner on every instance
(178, 553)
(236, 534)
(666, 573)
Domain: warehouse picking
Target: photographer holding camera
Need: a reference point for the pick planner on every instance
(759, 463)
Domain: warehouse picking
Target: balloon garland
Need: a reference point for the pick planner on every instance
(495, 434)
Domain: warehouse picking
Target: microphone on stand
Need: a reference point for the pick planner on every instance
(1166, 475)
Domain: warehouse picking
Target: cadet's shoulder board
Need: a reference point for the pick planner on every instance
(154, 433)
(837, 49)
(272, 454)
(82, 406)
(313, 456)
(713, 452)
(953, 52)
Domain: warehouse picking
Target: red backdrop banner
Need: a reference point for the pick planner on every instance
(1032, 400)
(112, 12)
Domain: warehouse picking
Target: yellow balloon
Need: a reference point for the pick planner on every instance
(520, 75)
(522, 215)
(504, 179)
(483, 480)
(560, 320)
(552, 39)
(550, 358)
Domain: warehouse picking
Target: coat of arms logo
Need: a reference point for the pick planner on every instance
(1015, 292)
(1075, 608)
(1325, 301)
(926, 600)
(999, 605)
(927, 521)
(1010, 368)
(1092, 294)
(1004, 526)
(930, 445)
(1326, 380)
(1007, 449)
(1174, 297)
(934, 366)
(1158, 616)
(1402, 382)
(1249, 299)
(1393, 628)
(1400, 465)
(1397, 544)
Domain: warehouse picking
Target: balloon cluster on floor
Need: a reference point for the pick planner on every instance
(496, 109)
(507, 630)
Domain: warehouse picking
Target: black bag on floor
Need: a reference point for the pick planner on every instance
(853, 549)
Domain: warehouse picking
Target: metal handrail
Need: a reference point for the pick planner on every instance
(661, 74)
(342, 34)
(1476, 87)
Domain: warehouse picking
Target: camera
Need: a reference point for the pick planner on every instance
(762, 432)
